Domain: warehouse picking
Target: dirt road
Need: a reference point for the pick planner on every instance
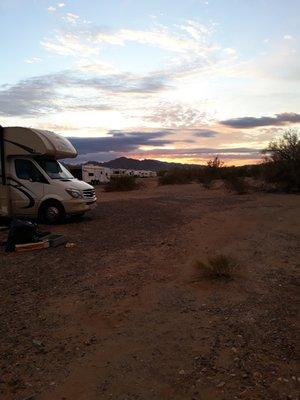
(120, 315)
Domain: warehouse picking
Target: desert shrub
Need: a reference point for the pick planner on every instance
(236, 184)
(179, 176)
(206, 179)
(282, 162)
(217, 267)
(121, 183)
(211, 172)
(215, 163)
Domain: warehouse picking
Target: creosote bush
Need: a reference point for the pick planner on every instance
(179, 176)
(282, 162)
(121, 183)
(217, 267)
(236, 184)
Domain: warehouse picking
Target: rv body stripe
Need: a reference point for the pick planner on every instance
(30, 198)
(20, 187)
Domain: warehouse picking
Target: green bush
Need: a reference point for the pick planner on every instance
(121, 183)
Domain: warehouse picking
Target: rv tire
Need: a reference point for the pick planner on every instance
(52, 212)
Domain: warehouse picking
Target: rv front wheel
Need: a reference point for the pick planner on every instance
(52, 212)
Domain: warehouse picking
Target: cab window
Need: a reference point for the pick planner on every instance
(26, 170)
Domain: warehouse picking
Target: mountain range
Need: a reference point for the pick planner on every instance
(131, 163)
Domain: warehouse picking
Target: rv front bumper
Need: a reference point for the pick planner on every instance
(78, 206)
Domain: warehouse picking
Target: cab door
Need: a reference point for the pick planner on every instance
(27, 187)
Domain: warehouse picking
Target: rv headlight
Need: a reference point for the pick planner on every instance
(74, 193)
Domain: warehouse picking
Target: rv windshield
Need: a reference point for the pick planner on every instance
(54, 169)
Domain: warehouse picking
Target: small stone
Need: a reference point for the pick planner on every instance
(70, 244)
(182, 372)
(221, 384)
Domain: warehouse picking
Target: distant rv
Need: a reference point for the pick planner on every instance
(97, 174)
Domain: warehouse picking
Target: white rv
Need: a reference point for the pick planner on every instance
(95, 174)
(33, 183)
(118, 172)
(145, 174)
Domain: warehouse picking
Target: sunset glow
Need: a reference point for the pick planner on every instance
(170, 80)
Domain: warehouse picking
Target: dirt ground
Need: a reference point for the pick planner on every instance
(121, 314)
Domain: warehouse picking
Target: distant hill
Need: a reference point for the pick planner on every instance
(131, 163)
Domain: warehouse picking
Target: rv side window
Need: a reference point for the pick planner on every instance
(26, 170)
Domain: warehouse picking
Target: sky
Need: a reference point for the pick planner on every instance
(171, 80)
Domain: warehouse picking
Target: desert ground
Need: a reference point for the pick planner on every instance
(122, 314)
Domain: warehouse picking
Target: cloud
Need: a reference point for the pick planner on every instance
(176, 115)
(52, 9)
(205, 153)
(252, 122)
(287, 37)
(33, 60)
(69, 44)
(120, 141)
(230, 51)
(205, 133)
(189, 38)
(72, 18)
(53, 92)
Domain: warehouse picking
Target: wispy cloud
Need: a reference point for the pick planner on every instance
(51, 9)
(176, 115)
(72, 18)
(47, 93)
(33, 60)
(191, 37)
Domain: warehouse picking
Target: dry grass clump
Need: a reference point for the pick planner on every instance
(217, 267)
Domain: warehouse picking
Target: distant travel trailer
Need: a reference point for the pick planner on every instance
(145, 174)
(33, 182)
(119, 172)
(95, 174)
